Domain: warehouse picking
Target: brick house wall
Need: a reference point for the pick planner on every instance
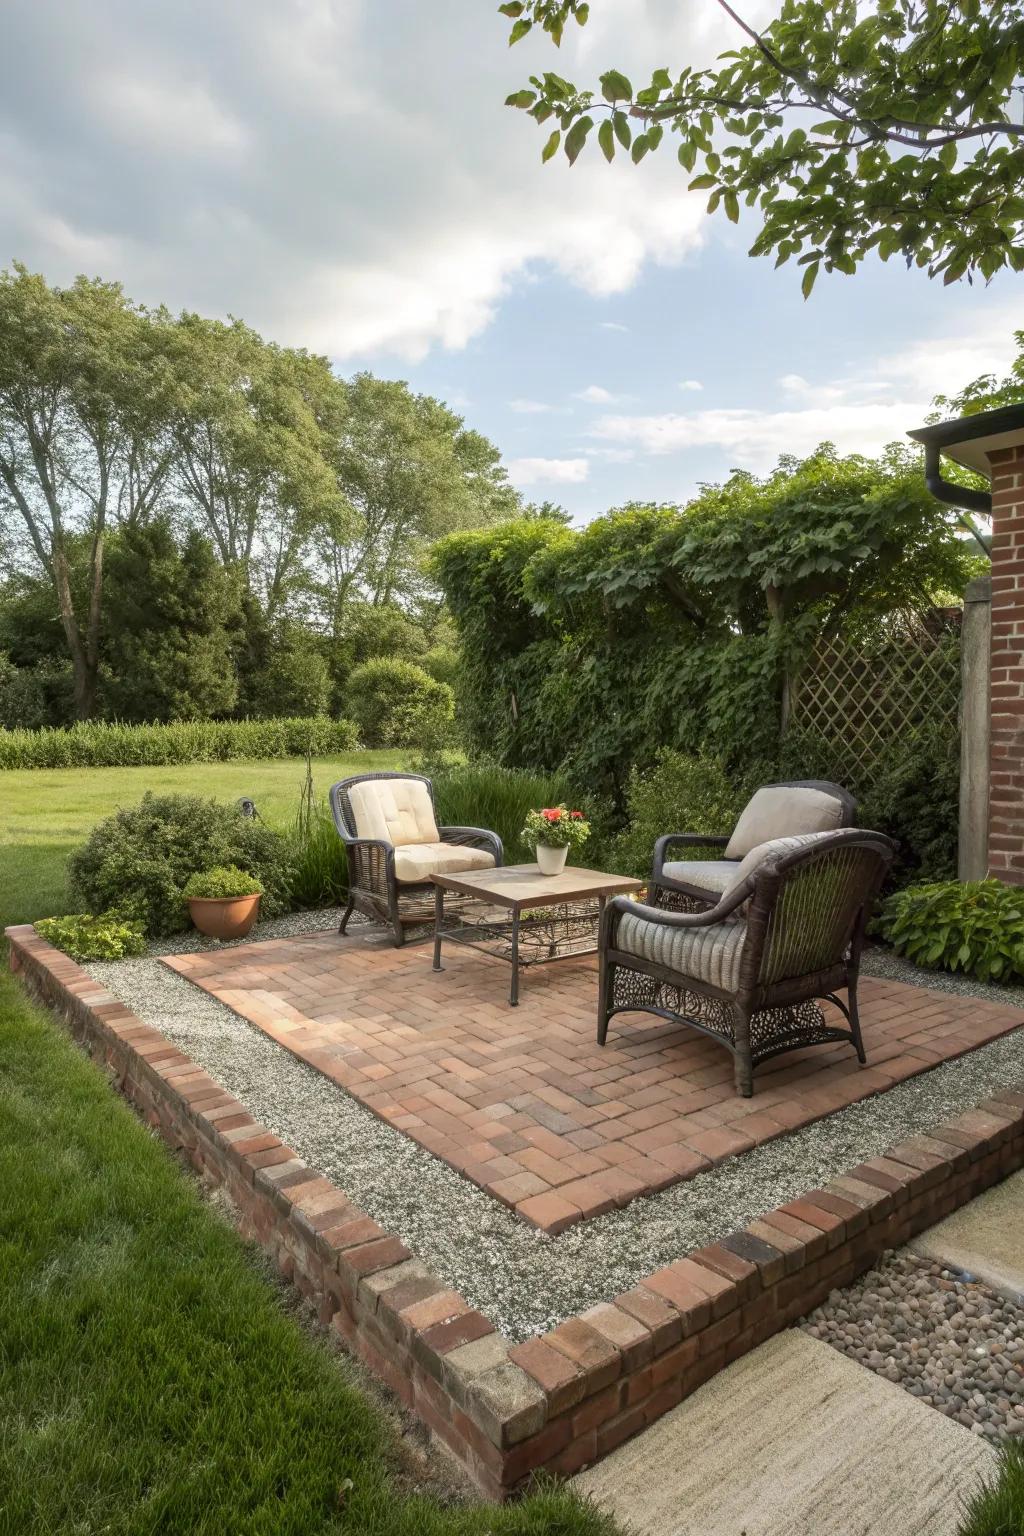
(1006, 763)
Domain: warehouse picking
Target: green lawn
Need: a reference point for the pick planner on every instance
(151, 1380)
(46, 812)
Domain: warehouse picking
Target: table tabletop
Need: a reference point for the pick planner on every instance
(520, 886)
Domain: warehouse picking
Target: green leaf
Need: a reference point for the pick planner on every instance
(582, 15)
(702, 183)
(615, 87)
(640, 148)
(512, 8)
(519, 31)
(606, 139)
(577, 137)
(732, 206)
(623, 132)
(551, 146)
(521, 99)
(808, 282)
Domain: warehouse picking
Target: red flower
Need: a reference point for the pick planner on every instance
(552, 815)
(576, 815)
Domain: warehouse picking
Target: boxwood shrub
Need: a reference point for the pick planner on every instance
(396, 704)
(106, 744)
(141, 858)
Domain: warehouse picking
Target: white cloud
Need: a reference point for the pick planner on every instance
(692, 384)
(860, 413)
(529, 407)
(548, 471)
(595, 394)
(300, 163)
(611, 455)
(613, 325)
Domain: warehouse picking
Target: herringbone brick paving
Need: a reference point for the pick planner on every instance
(523, 1101)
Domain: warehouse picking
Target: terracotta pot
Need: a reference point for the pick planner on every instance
(551, 861)
(227, 917)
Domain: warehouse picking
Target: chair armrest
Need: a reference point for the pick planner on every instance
(475, 837)
(687, 839)
(618, 906)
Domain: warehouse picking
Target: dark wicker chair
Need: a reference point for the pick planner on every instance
(747, 971)
(682, 883)
(375, 886)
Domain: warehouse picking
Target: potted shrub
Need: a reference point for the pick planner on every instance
(551, 833)
(224, 902)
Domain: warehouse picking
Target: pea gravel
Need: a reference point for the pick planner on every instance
(944, 1337)
(525, 1281)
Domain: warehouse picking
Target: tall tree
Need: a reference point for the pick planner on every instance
(254, 433)
(892, 127)
(82, 392)
(413, 472)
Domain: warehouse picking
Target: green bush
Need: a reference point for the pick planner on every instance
(680, 793)
(140, 858)
(108, 936)
(396, 704)
(996, 1508)
(224, 883)
(499, 799)
(101, 744)
(976, 927)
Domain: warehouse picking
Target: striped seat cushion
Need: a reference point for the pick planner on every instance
(710, 954)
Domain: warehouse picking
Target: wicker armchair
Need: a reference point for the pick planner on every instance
(388, 824)
(747, 972)
(681, 882)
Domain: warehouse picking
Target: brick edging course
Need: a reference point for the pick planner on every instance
(563, 1400)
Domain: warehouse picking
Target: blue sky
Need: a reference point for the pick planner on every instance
(343, 175)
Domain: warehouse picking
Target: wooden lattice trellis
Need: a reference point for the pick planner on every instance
(862, 697)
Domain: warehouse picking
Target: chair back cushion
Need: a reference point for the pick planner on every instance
(783, 810)
(393, 811)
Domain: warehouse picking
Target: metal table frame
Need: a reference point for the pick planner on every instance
(559, 934)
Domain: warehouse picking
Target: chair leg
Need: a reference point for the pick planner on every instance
(398, 932)
(858, 1041)
(604, 991)
(744, 1067)
(345, 916)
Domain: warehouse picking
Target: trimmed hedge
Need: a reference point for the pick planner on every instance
(103, 744)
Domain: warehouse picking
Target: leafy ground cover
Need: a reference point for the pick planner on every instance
(151, 1378)
(45, 813)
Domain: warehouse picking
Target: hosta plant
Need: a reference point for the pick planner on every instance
(976, 927)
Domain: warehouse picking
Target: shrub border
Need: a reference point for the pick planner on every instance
(561, 1401)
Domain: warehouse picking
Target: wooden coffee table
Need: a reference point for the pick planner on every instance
(564, 913)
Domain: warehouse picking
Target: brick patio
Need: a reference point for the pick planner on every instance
(523, 1101)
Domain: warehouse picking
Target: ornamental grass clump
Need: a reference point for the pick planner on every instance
(555, 827)
(974, 926)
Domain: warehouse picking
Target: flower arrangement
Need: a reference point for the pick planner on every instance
(555, 827)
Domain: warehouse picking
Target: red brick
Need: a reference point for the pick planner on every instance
(559, 1378)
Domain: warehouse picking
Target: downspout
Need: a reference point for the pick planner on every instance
(954, 495)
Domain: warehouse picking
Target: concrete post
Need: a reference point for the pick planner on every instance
(975, 715)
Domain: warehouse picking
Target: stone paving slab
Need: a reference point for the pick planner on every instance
(523, 1101)
(793, 1440)
(985, 1238)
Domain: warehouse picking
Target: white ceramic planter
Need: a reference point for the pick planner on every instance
(551, 861)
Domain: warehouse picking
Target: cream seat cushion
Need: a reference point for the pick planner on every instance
(397, 811)
(418, 861)
(711, 954)
(711, 875)
(779, 810)
(774, 848)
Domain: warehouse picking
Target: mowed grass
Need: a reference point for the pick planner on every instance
(151, 1379)
(46, 812)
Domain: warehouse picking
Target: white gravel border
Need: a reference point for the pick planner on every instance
(525, 1281)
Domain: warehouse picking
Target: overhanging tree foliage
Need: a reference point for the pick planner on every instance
(892, 128)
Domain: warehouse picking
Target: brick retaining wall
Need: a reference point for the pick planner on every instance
(563, 1400)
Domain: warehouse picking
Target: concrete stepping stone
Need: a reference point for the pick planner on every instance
(986, 1238)
(793, 1440)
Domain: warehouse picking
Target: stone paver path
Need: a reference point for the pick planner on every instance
(793, 1440)
(523, 1101)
